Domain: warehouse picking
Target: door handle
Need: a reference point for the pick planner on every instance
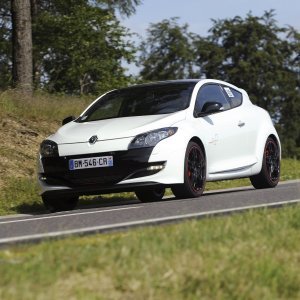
(241, 124)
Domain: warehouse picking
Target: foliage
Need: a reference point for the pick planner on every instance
(78, 45)
(80, 48)
(289, 125)
(125, 7)
(167, 53)
(250, 53)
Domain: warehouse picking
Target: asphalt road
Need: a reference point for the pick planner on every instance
(107, 216)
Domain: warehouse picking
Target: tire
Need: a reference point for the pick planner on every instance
(149, 194)
(270, 171)
(62, 203)
(194, 173)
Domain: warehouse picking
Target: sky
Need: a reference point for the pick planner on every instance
(198, 14)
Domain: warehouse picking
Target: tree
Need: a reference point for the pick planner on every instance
(167, 52)
(289, 125)
(254, 53)
(58, 28)
(79, 48)
(125, 7)
(22, 44)
(5, 45)
(247, 52)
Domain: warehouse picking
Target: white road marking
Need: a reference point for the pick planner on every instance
(15, 216)
(142, 222)
(69, 215)
(250, 187)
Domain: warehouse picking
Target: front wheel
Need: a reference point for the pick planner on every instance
(60, 203)
(270, 170)
(149, 194)
(194, 173)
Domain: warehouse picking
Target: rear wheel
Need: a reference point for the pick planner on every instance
(270, 171)
(61, 203)
(194, 173)
(148, 194)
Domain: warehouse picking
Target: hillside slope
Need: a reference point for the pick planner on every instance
(19, 146)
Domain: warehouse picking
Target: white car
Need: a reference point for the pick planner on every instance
(147, 137)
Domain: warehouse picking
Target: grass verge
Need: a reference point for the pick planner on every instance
(254, 255)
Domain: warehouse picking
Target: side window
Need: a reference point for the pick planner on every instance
(234, 96)
(210, 93)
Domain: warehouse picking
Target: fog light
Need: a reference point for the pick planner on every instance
(153, 168)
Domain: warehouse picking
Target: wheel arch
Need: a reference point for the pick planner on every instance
(276, 140)
(261, 142)
(269, 176)
(197, 140)
(186, 189)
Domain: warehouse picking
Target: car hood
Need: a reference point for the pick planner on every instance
(74, 132)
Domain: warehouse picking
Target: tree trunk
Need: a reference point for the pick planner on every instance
(36, 61)
(22, 45)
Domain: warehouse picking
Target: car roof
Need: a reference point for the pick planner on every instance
(163, 83)
(173, 81)
(193, 82)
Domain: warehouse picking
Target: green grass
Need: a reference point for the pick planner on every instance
(254, 255)
(290, 169)
(42, 106)
(21, 195)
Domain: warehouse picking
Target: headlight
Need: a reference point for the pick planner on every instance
(151, 138)
(49, 149)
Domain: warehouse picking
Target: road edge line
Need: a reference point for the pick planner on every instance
(149, 222)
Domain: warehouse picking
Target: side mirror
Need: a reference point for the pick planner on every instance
(68, 120)
(210, 108)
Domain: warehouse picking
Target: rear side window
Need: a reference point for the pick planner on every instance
(234, 96)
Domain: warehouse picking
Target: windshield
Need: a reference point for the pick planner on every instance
(140, 101)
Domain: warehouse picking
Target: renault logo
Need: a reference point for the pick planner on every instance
(93, 139)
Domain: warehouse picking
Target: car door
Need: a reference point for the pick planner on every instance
(248, 125)
(221, 132)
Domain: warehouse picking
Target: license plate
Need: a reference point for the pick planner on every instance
(91, 162)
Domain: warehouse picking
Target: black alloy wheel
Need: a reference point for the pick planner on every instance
(149, 194)
(270, 171)
(194, 173)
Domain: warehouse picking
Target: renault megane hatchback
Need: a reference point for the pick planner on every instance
(147, 137)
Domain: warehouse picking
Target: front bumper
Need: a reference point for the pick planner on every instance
(130, 165)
